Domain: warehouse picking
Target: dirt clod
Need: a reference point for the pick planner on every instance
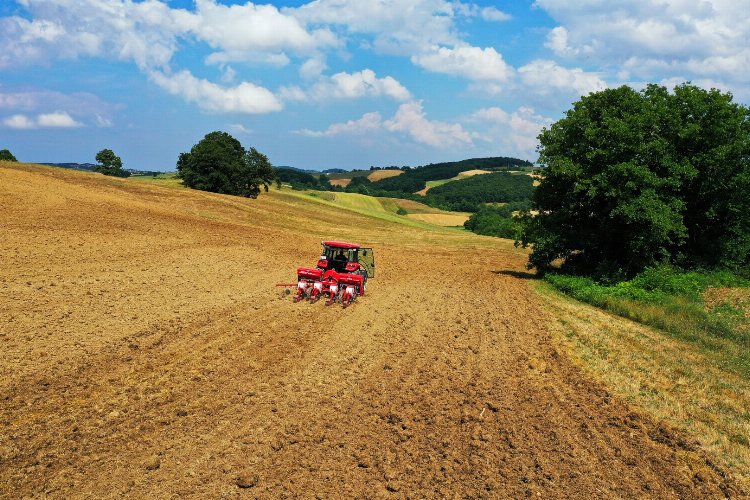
(247, 480)
(152, 463)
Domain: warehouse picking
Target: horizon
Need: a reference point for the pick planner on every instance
(338, 84)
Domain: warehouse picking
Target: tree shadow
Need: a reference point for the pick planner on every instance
(522, 275)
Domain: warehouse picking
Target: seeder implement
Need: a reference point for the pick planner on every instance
(340, 275)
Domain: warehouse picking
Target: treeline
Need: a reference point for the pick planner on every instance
(303, 180)
(468, 195)
(415, 179)
(464, 195)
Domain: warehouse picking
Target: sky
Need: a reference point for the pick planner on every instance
(339, 83)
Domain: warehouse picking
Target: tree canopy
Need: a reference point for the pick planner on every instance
(110, 164)
(218, 163)
(633, 179)
(6, 155)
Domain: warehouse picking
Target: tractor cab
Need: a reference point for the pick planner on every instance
(344, 257)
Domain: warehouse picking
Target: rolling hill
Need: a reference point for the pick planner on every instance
(147, 353)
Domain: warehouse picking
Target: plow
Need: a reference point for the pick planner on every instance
(340, 275)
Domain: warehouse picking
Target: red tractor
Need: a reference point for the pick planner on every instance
(341, 274)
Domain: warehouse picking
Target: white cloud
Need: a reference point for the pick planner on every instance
(411, 119)
(19, 122)
(81, 105)
(557, 41)
(59, 119)
(547, 77)
(656, 39)
(238, 127)
(514, 133)
(493, 14)
(249, 32)
(243, 98)
(344, 85)
(312, 68)
(401, 27)
(470, 62)
(368, 123)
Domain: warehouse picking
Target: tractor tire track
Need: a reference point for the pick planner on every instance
(425, 387)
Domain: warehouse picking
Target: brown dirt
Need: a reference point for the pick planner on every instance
(147, 353)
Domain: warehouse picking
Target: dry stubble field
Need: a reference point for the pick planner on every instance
(145, 352)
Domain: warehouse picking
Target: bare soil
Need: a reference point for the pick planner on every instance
(146, 352)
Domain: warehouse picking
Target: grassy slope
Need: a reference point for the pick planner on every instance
(676, 381)
(419, 214)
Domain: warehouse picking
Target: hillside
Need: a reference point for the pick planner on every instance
(147, 353)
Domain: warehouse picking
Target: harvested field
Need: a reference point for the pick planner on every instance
(378, 175)
(462, 175)
(147, 353)
(471, 173)
(340, 182)
(446, 219)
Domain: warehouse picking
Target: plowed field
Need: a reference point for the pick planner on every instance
(146, 352)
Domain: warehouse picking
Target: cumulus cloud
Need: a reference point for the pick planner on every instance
(547, 76)
(656, 39)
(59, 119)
(368, 123)
(39, 102)
(19, 122)
(411, 119)
(470, 62)
(494, 14)
(344, 85)
(243, 98)
(400, 27)
(515, 133)
(255, 33)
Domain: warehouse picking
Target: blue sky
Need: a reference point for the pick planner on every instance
(339, 83)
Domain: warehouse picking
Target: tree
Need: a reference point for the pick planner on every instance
(633, 179)
(218, 163)
(110, 164)
(6, 155)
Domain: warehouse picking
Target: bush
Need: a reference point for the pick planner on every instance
(6, 155)
(470, 194)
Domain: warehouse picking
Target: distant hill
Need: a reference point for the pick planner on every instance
(415, 179)
(88, 167)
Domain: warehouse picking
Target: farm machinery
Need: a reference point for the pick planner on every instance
(340, 276)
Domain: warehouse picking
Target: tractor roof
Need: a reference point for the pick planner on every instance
(340, 244)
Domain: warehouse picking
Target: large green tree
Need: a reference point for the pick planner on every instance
(218, 163)
(110, 164)
(637, 178)
(6, 155)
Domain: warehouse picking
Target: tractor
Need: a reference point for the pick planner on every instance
(340, 276)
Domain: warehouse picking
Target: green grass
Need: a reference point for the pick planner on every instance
(167, 179)
(432, 184)
(379, 208)
(673, 301)
(679, 382)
